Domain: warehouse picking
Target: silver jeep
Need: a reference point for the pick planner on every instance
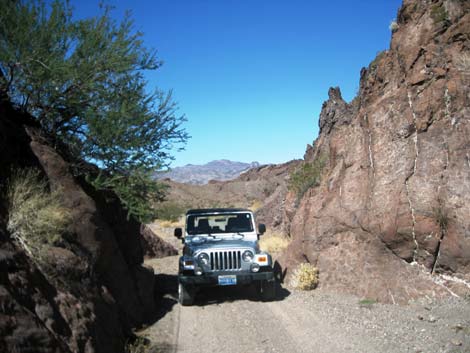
(221, 249)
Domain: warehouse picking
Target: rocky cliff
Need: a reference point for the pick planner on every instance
(94, 289)
(390, 218)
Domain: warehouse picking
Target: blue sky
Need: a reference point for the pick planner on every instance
(251, 75)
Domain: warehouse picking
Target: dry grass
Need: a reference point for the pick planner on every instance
(36, 216)
(305, 277)
(463, 62)
(273, 243)
(171, 224)
(256, 205)
(393, 27)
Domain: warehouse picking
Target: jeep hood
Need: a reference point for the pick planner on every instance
(210, 245)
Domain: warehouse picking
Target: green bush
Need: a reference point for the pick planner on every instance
(307, 176)
(367, 302)
(373, 65)
(170, 211)
(137, 191)
(84, 81)
(439, 14)
(36, 216)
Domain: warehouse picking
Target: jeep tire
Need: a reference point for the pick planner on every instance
(267, 290)
(185, 295)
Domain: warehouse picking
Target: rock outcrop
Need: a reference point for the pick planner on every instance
(153, 246)
(95, 288)
(390, 217)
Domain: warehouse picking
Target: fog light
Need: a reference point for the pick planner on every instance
(198, 272)
(254, 267)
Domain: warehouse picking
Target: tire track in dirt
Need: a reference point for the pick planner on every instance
(233, 320)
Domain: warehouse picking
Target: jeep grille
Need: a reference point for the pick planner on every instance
(226, 260)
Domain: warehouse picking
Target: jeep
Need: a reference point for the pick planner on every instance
(221, 249)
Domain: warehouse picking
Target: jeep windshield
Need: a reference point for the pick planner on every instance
(219, 223)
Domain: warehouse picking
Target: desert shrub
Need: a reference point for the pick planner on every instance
(393, 26)
(463, 62)
(36, 216)
(269, 189)
(306, 176)
(367, 302)
(273, 243)
(170, 211)
(439, 14)
(138, 345)
(305, 277)
(172, 224)
(373, 65)
(256, 205)
(441, 217)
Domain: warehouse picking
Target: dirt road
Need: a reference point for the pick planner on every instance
(232, 320)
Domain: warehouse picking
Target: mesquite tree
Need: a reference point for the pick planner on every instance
(83, 80)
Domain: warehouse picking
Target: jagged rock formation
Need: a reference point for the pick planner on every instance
(95, 288)
(394, 200)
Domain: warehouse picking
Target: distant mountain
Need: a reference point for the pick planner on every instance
(201, 174)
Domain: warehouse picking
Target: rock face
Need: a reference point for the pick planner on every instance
(153, 246)
(390, 219)
(95, 288)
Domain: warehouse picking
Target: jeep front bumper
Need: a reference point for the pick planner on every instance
(213, 279)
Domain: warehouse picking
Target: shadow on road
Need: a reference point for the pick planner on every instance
(167, 294)
(218, 295)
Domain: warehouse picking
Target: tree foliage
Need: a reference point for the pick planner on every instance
(83, 80)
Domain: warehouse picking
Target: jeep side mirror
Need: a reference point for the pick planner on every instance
(178, 233)
(261, 228)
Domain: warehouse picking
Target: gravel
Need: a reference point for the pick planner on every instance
(233, 320)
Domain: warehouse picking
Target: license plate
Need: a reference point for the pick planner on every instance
(228, 280)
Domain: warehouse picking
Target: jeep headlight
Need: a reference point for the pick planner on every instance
(203, 258)
(247, 256)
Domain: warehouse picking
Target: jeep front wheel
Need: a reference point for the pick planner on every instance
(185, 295)
(267, 290)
